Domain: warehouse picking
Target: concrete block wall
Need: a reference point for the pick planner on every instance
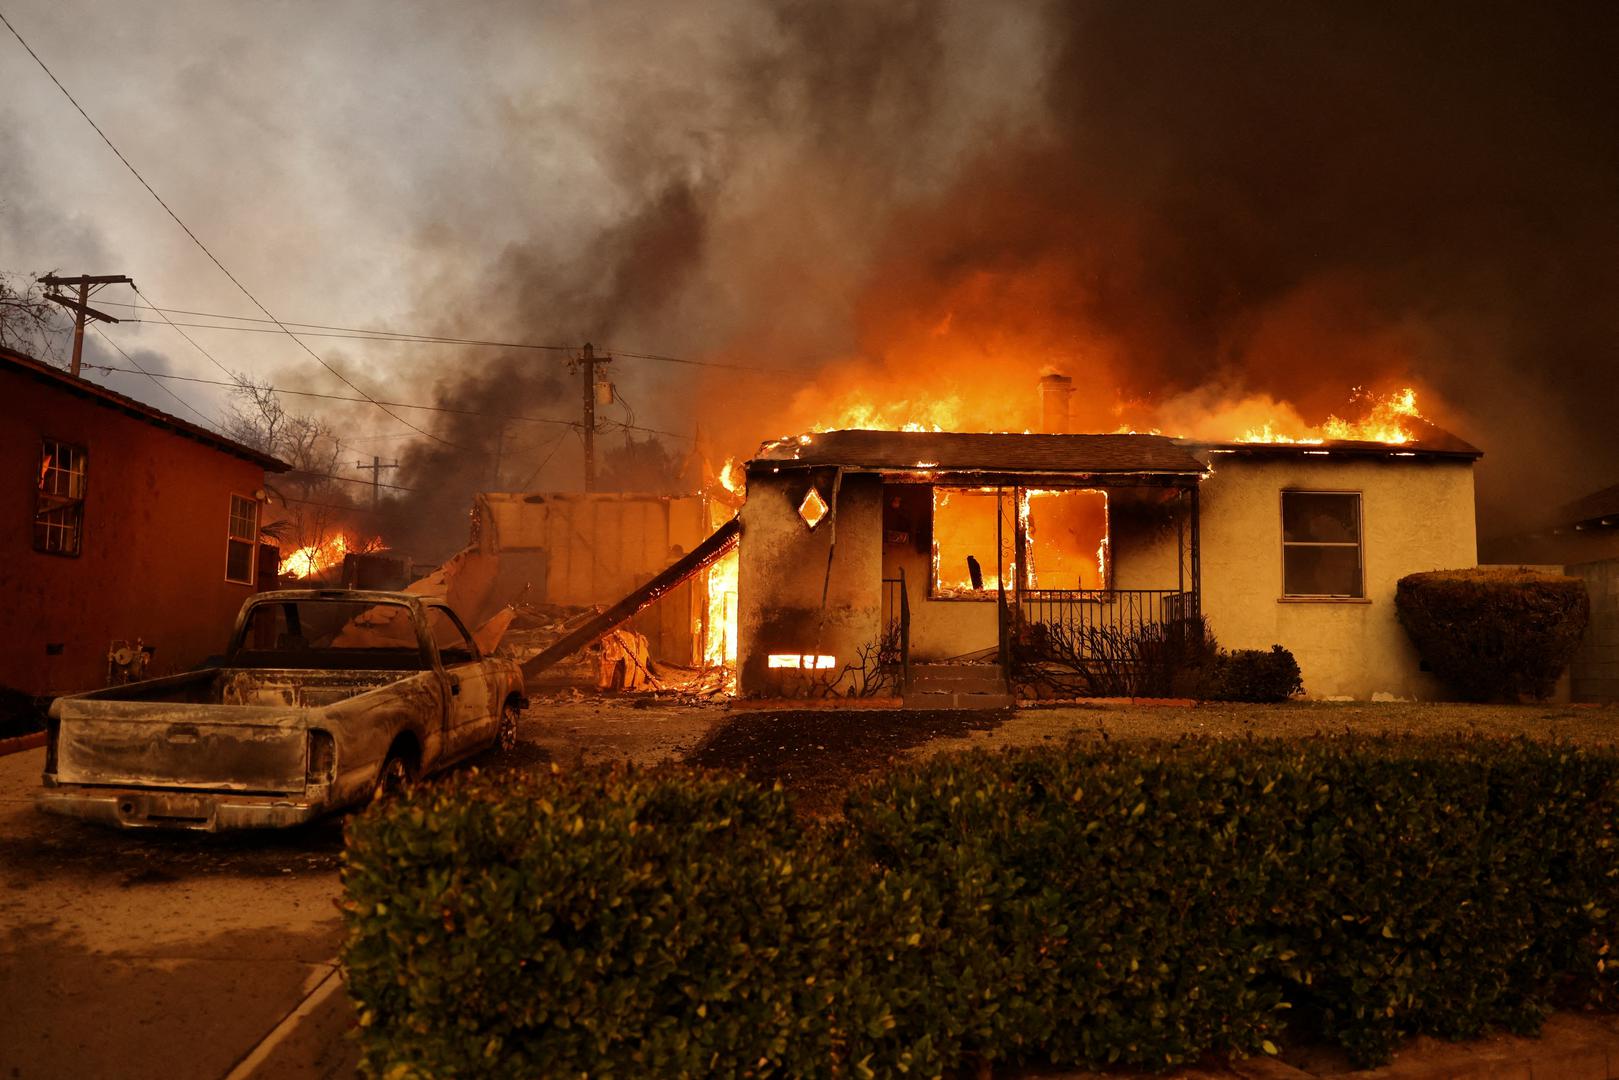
(1594, 675)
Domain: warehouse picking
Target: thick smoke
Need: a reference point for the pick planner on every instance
(1195, 209)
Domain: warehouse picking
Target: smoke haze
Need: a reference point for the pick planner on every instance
(1203, 212)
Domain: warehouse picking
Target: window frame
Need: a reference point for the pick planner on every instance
(1359, 545)
(944, 594)
(252, 541)
(455, 621)
(82, 453)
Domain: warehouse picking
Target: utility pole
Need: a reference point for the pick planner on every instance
(81, 306)
(500, 443)
(376, 468)
(588, 362)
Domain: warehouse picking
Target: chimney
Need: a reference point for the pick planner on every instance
(1055, 390)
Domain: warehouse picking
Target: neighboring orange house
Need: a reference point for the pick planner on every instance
(118, 523)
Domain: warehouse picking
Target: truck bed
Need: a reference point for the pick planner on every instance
(219, 729)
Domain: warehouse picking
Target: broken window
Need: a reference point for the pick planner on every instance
(242, 539)
(453, 642)
(59, 500)
(965, 559)
(1321, 544)
(1067, 539)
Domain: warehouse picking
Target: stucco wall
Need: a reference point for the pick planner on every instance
(152, 563)
(941, 628)
(1416, 514)
(783, 568)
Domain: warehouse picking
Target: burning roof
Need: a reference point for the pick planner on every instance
(1003, 452)
(1031, 453)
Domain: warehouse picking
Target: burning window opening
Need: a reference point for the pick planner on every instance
(813, 509)
(1067, 545)
(1065, 540)
(965, 555)
(802, 661)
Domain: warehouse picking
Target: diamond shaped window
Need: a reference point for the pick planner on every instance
(813, 509)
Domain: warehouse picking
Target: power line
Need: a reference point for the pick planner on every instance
(161, 386)
(200, 245)
(395, 404)
(412, 337)
(177, 330)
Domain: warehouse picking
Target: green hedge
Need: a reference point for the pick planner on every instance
(1251, 675)
(1494, 633)
(1142, 906)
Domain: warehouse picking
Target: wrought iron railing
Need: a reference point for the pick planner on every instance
(1089, 615)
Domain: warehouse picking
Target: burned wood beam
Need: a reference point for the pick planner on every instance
(718, 543)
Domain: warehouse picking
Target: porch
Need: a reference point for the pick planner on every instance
(979, 547)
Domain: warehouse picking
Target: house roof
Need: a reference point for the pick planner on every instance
(982, 452)
(61, 380)
(1429, 441)
(1598, 504)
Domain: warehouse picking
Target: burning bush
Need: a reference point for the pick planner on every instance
(1494, 634)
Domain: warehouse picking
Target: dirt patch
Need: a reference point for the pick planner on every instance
(817, 755)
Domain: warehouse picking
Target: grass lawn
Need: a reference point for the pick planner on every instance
(817, 754)
(1588, 725)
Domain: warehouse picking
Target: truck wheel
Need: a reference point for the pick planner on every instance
(506, 733)
(393, 779)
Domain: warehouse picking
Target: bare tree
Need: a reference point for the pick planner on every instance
(29, 323)
(315, 504)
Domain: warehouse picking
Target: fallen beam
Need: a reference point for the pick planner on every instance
(697, 559)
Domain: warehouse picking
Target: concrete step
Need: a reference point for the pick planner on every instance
(944, 699)
(957, 686)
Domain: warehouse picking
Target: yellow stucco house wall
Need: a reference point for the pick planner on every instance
(1417, 513)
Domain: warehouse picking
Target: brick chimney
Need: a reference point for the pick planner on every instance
(1055, 390)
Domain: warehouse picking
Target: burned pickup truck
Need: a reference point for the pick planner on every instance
(325, 699)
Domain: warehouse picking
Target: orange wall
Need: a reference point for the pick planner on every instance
(152, 553)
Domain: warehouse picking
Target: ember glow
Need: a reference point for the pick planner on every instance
(313, 559)
(719, 642)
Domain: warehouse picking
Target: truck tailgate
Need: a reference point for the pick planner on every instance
(232, 748)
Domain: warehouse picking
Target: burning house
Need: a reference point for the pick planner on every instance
(133, 535)
(865, 553)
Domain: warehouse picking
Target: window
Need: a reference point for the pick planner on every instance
(454, 644)
(243, 540)
(1321, 553)
(965, 556)
(59, 500)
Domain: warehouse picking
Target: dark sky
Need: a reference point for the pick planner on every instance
(1200, 210)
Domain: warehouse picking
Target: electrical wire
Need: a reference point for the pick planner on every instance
(359, 333)
(575, 424)
(204, 247)
(214, 424)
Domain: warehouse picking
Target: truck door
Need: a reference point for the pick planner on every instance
(473, 713)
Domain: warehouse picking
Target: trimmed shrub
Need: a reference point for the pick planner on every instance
(1143, 906)
(619, 923)
(1252, 675)
(1493, 633)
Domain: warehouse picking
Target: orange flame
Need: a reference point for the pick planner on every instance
(1386, 421)
(313, 559)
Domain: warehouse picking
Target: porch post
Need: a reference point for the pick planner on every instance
(1197, 559)
(1003, 654)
